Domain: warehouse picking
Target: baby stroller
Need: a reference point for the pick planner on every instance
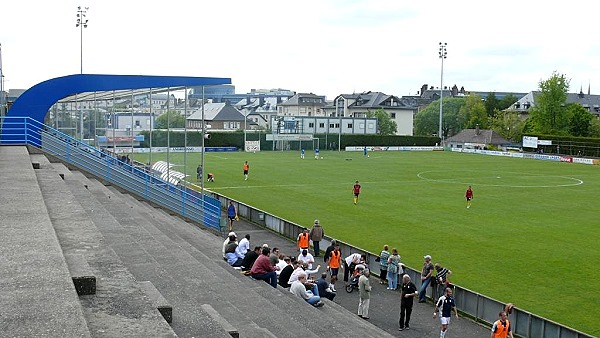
(353, 283)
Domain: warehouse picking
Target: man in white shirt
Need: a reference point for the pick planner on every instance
(350, 263)
(244, 245)
(306, 257)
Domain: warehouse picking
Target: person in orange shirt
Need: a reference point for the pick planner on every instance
(334, 263)
(303, 240)
(246, 168)
(501, 328)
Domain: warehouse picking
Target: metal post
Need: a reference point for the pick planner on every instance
(337, 110)
(82, 23)
(204, 172)
(151, 127)
(442, 56)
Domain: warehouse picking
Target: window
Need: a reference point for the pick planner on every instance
(331, 125)
(361, 125)
(311, 125)
(393, 115)
(321, 125)
(349, 125)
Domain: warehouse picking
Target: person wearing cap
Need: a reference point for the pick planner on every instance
(316, 235)
(425, 278)
(230, 237)
(364, 290)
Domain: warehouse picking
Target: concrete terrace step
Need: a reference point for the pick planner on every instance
(119, 307)
(38, 296)
(338, 315)
(205, 275)
(188, 318)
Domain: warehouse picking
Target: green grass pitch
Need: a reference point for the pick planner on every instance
(531, 236)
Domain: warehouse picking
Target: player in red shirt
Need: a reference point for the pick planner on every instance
(469, 196)
(356, 191)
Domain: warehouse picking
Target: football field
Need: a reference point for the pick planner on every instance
(531, 236)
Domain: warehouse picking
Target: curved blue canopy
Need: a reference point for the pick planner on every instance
(37, 100)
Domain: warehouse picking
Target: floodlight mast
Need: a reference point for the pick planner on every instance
(442, 55)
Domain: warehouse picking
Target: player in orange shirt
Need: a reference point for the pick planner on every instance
(246, 168)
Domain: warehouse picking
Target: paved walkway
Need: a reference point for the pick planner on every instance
(385, 304)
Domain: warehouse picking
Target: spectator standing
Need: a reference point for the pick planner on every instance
(303, 240)
(445, 305)
(425, 277)
(350, 263)
(263, 270)
(316, 235)
(364, 290)
(334, 265)
(501, 327)
(441, 279)
(393, 268)
(409, 292)
(199, 173)
(329, 250)
(231, 214)
(383, 264)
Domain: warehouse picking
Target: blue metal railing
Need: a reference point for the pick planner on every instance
(133, 177)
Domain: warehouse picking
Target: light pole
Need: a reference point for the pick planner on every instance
(442, 55)
(82, 23)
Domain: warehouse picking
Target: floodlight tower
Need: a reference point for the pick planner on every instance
(442, 55)
(82, 23)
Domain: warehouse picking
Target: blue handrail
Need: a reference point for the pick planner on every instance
(133, 177)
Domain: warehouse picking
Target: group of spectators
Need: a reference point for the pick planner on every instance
(299, 275)
(296, 273)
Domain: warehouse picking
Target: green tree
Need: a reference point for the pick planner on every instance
(491, 104)
(474, 112)
(385, 124)
(549, 115)
(175, 120)
(595, 128)
(581, 120)
(509, 125)
(427, 120)
(506, 102)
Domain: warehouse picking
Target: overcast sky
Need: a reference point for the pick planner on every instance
(327, 47)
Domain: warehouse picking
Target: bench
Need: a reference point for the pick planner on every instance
(81, 274)
(158, 301)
